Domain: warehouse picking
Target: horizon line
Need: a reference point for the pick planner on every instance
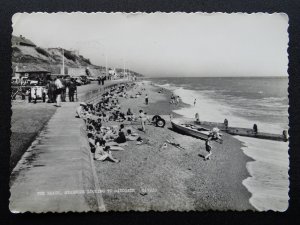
(281, 76)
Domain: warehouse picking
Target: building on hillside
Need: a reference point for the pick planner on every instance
(21, 41)
(31, 72)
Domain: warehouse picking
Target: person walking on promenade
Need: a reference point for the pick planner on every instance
(63, 89)
(195, 101)
(28, 92)
(44, 95)
(48, 90)
(34, 95)
(51, 91)
(72, 88)
(208, 149)
(59, 87)
(99, 79)
(102, 80)
(146, 99)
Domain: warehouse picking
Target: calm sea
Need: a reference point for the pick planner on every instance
(245, 101)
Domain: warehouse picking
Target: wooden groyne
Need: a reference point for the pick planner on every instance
(247, 132)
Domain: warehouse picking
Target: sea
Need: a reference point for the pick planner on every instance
(245, 101)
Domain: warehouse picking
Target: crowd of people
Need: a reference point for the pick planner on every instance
(55, 91)
(104, 139)
(101, 80)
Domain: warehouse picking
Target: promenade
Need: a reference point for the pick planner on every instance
(56, 173)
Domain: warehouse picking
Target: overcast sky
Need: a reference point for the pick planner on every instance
(162, 44)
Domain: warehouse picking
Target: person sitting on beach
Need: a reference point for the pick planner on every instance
(105, 117)
(121, 136)
(121, 117)
(129, 114)
(208, 149)
(172, 99)
(110, 134)
(130, 136)
(99, 135)
(91, 142)
(97, 125)
(215, 134)
(81, 110)
(103, 152)
(91, 129)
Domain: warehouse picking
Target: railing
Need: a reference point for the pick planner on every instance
(91, 97)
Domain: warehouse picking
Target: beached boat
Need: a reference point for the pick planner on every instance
(190, 129)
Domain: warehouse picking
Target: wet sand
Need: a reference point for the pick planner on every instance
(171, 178)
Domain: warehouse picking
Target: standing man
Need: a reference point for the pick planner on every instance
(143, 120)
(63, 89)
(44, 94)
(35, 95)
(98, 80)
(72, 88)
(53, 91)
(146, 99)
(59, 87)
(195, 101)
(28, 93)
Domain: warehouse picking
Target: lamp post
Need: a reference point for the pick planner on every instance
(124, 68)
(63, 62)
(105, 54)
(90, 43)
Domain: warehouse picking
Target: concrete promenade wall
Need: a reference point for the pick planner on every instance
(57, 173)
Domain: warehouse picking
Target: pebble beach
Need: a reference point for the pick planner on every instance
(171, 178)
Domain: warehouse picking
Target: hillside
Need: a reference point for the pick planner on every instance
(25, 53)
(31, 54)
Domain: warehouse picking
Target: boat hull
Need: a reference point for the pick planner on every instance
(203, 134)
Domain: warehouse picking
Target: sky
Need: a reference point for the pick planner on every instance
(163, 44)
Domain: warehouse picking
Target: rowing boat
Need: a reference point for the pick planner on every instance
(190, 129)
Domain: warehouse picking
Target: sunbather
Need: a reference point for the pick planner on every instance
(130, 136)
(91, 140)
(121, 136)
(103, 152)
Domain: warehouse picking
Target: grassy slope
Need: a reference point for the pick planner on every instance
(27, 120)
